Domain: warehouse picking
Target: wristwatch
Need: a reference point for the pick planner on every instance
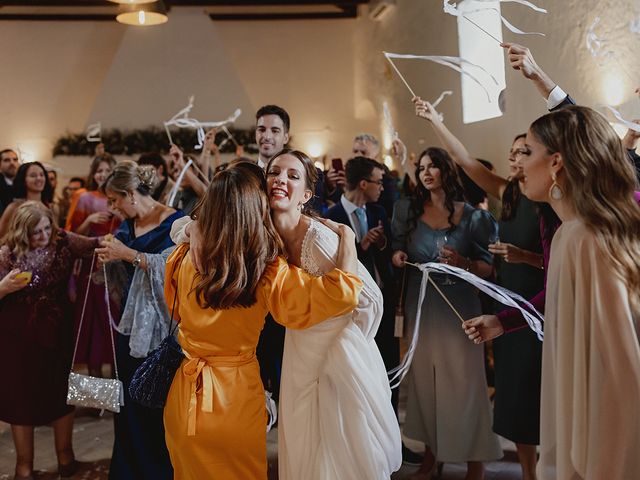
(137, 260)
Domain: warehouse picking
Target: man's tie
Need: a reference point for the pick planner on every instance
(362, 222)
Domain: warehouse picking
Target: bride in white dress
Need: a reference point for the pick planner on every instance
(336, 418)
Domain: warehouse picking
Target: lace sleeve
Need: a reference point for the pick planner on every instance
(319, 255)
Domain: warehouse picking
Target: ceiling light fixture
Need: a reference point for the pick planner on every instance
(143, 15)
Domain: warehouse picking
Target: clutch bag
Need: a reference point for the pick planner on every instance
(93, 392)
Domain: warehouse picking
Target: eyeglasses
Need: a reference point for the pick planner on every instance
(377, 182)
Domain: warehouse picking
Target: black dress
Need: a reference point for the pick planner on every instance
(518, 355)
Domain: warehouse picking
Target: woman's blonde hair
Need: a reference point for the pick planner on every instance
(128, 176)
(600, 183)
(25, 219)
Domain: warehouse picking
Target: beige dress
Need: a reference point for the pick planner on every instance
(590, 417)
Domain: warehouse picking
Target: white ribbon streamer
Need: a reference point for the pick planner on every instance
(441, 97)
(176, 186)
(182, 120)
(272, 410)
(388, 120)
(398, 373)
(94, 132)
(595, 43)
(452, 9)
(454, 63)
(523, 2)
(627, 123)
(533, 318)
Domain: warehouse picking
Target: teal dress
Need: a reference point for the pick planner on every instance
(448, 405)
(518, 355)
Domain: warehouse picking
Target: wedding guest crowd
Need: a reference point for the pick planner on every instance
(287, 281)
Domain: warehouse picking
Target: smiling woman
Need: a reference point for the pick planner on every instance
(333, 377)
(30, 183)
(138, 253)
(89, 215)
(35, 263)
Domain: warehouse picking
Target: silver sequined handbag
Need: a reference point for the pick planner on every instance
(94, 392)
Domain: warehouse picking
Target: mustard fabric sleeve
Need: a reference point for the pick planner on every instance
(299, 300)
(171, 277)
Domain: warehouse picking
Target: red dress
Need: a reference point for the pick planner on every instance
(94, 347)
(37, 337)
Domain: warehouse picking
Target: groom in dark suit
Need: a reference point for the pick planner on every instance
(356, 208)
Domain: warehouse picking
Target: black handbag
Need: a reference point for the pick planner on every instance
(152, 380)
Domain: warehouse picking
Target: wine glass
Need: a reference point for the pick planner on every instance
(440, 244)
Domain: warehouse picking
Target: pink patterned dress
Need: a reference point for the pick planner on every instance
(37, 337)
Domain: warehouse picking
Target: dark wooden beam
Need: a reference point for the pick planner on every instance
(181, 3)
(47, 17)
(344, 13)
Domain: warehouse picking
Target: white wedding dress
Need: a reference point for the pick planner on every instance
(336, 419)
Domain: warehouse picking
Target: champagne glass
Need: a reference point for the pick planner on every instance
(440, 244)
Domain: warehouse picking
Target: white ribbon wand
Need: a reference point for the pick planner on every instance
(454, 63)
(631, 125)
(502, 295)
(182, 120)
(176, 186)
(452, 9)
(94, 132)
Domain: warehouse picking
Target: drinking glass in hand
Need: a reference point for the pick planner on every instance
(441, 242)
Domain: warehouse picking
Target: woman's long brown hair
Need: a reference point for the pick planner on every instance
(239, 239)
(450, 184)
(600, 183)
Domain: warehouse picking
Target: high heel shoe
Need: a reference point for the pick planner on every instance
(68, 470)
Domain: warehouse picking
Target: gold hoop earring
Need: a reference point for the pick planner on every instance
(555, 192)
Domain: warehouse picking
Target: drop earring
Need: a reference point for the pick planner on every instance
(555, 192)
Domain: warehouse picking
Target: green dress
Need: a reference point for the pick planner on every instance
(448, 405)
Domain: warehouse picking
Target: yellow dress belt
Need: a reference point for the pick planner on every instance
(200, 368)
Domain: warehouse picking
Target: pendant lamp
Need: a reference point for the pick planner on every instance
(143, 15)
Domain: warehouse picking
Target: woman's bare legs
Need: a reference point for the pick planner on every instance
(62, 433)
(475, 471)
(23, 440)
(528, 458)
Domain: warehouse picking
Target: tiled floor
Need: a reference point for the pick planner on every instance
(93, 439)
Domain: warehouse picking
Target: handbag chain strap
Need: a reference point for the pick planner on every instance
(106, 300)
(84, 307)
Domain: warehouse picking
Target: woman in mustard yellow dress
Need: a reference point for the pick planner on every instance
(215, 417)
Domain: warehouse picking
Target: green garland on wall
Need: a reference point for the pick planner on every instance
(152, 139)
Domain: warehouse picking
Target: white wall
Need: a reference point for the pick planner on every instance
(421, 27)
(330, 75)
